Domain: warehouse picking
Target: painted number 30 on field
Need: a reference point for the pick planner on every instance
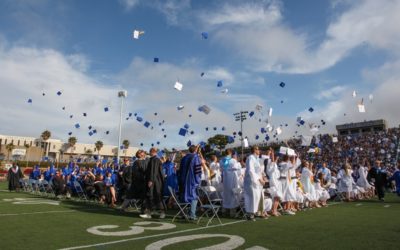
(233, 241)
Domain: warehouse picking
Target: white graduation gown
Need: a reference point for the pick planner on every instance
(252, 187)
(308, 187)
(275, 186)
(362, 180)
(345, 181)
(231, 184)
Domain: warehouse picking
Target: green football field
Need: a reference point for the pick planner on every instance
(34, 222)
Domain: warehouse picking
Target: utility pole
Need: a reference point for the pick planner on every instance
(241, 116)
(121, 94)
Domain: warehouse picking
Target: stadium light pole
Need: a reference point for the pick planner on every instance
(241, 116)
(121, 94)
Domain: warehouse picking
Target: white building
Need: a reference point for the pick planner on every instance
(36, 149)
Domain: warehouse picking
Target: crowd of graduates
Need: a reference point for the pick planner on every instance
(266, 182)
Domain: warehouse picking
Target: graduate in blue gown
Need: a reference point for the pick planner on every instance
(169, 170)
(35, 175)
(189, 178)
(396, 178)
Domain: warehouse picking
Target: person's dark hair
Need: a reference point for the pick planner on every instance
(253, 149)
(138, 153)
(285, 157)
(192, 149)
(228, 151)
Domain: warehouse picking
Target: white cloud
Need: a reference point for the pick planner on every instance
(258, 33)
(330, 93)
(129, 4)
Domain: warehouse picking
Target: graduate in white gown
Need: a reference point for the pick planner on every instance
(253, 184)
(307, 182)
(275, 186)
(215, 170)
(345, 181)
(322, 193)
(292, 190)
(362, 180)
(231, 186)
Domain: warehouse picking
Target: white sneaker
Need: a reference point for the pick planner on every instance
(162, 215)
(145, 216)
(288, 212)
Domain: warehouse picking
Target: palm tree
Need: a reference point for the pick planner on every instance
(45, 136)
(71, 142)
(9, 148)
(27, 146)
(125, 143)
(98, 145)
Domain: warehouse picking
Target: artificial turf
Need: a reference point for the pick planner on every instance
(357, 225)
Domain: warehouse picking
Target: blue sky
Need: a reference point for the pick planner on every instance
(322, 50)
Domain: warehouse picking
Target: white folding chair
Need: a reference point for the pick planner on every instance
(238, 192)
(211, 206)
(182, 206)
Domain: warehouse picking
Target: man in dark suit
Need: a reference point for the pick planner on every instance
(379, 176)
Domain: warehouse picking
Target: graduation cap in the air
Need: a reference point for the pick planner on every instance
(178, 86)
(69, 133)
(139, 119)
(156, 59)
(281, 101)
(165, 136)
(84, 114)
(206, 128)
(219, 83)
(267, 137)
(251, 113)
(130, 114)
(141, 144)
(137, 33)
(77, 125)
(192, 132)
(190, 115)
(202, 74)
(90, 127)
(146, 124)
(155, 113)
(263, 130)
(186, 126)
(182, 132)
(94, 131)
(257, 137)
(63, 108)
(204, 35)
(311, 109)
(223, 128)
(59, 93)
(29, 100)
(71, 116)
(163, 130)
(205, 109)
(302, 122)
(230, 139)
(189, 143)
(107, 132)
(224, 91)
(282, 84)
(90, 133)
(106, 109)
(43, 94)
(215, 128)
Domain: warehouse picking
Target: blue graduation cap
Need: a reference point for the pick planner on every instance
(302, 122)
(90, 127)
(311, 109)
(156, 59)
(240, 133)
(84, 114)
(189, 143)
(94, 131)
(204, 35)
(127, 118)
(223, 128)
(206, 128)
(286, 125)
(155, 113)
(267, 137)
(139, 119)
(107, 132)
(29, 100)
(71, 116)
(59, 93)
(202, 74)
(141, 144)
(205, 109)
(257, 137)
(90, 133)
(106, 109)
(231, 139)
(165, 136)
(186, 126)
(135, 114)
(163, 129)
(202, 144)
(281, 101)
(77, 125)
(282, 84)
(215, 128)
(160, 153)
(190, 115)
(182, 132)
(263, 130)
(69, 133)
(63, 108)
(251, 113)
(43, 94)
(192, 132)
(152, 144)
(219, 83)
(146, 124)
(130, 114)
(151, 127)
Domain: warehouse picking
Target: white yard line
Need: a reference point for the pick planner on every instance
(386, 206)
(150, 236)
(44, 212)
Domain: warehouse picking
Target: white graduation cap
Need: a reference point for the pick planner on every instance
(224, 91)
(178, 86)
(361, 107)
(286, 150)
(270, 112)
(334, 139)
(278, 131)
(268, 127)
(246, 143)
(306, 140)
(205, 109)
(259, 107)
(311, 150)
(137, 33)
(314, 129)
(180, 107)
(371, 97)
(354, 94)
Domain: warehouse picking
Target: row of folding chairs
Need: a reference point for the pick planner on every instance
(38, 187)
